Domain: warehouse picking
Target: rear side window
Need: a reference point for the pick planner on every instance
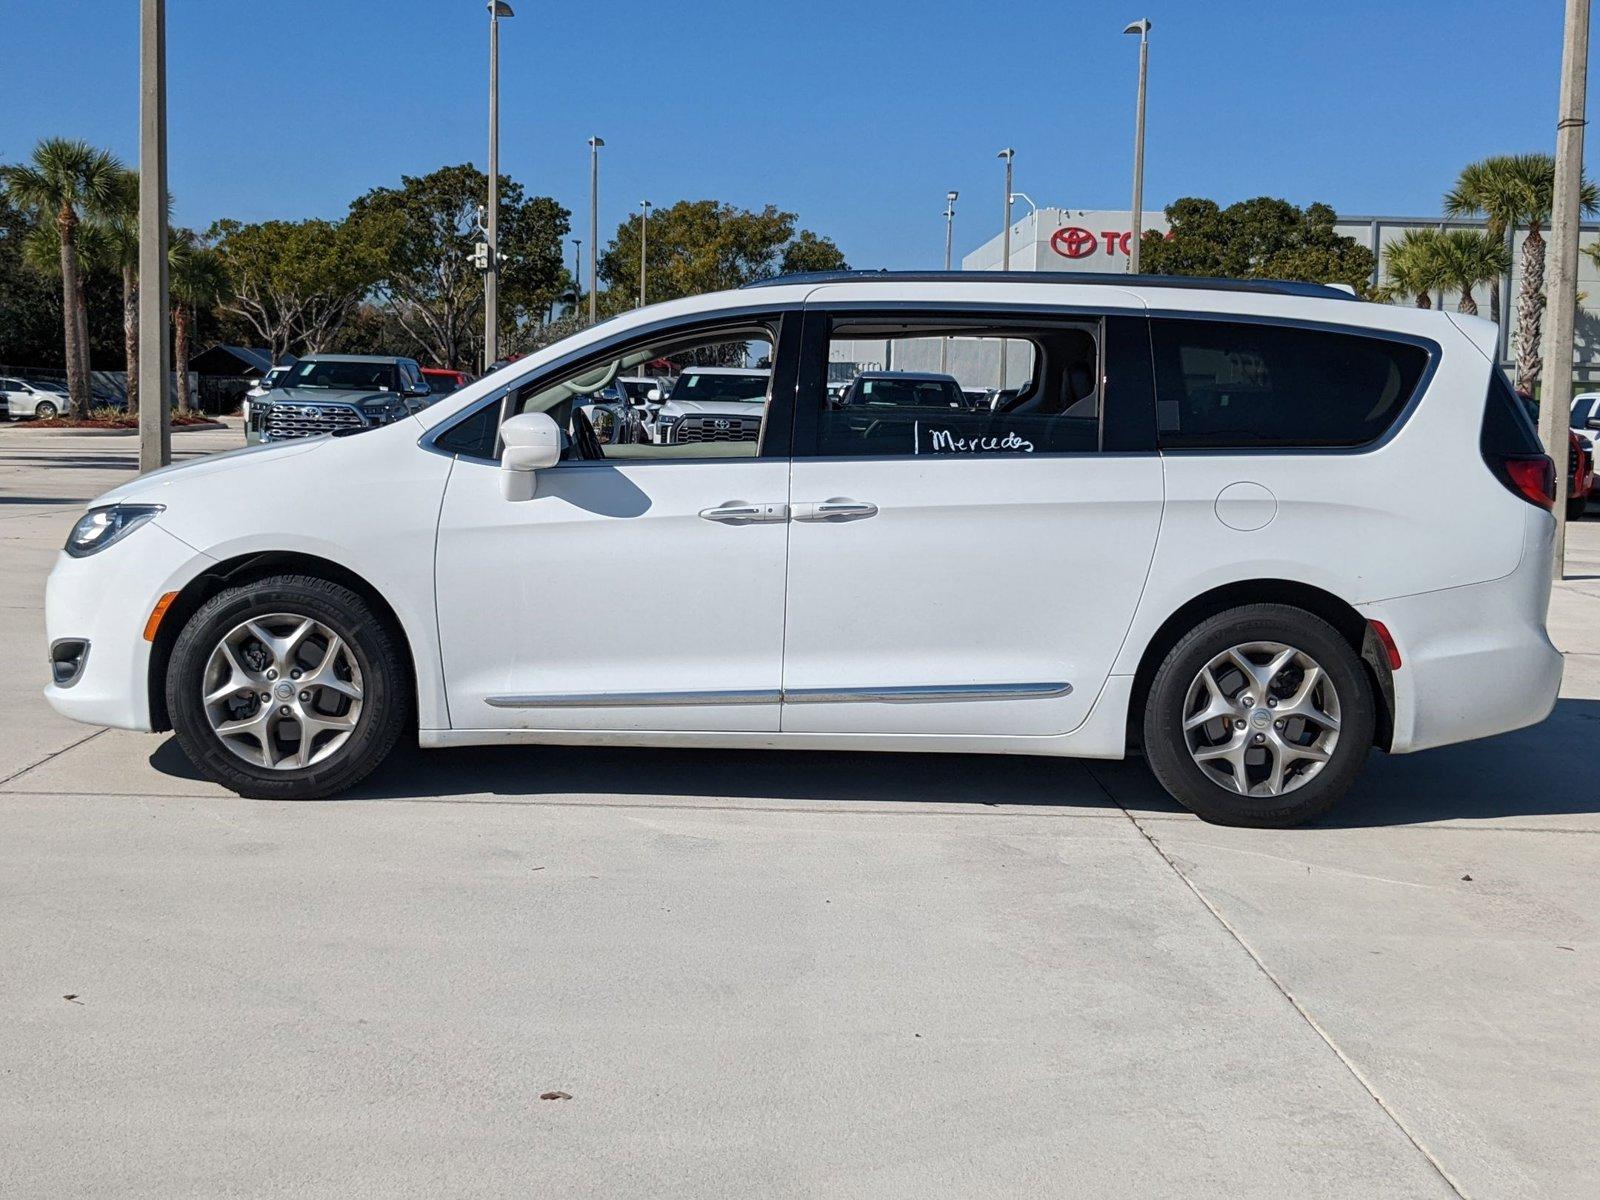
(1242, 385)
(1508, 423)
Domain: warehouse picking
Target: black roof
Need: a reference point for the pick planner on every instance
(1278, 287)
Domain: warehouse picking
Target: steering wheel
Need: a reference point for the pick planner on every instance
(584, 438)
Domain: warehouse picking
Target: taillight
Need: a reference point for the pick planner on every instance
(1391, 652)
(1531, 476)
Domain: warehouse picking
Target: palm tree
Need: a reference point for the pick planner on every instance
(1517, 191)
(65, 182)
(1414, 265)
(1468, 257)
(198, 281)
(120, 226)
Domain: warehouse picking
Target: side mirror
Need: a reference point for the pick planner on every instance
(532, 443)
(1594, 422)
(653, 395)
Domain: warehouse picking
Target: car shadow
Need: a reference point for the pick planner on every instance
(1550, 769)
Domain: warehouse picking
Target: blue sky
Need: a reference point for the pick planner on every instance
(858, 116)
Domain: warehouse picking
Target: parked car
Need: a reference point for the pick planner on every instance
(442, 381)
(1232, 557)
(878, 389)
(32, 399)
(1580, 463)
(1586, 417)
(714, 404)
(337, 393)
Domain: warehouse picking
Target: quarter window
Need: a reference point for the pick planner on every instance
(1237, 385)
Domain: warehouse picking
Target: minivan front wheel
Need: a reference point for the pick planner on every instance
(287, 688)
(1261, 715)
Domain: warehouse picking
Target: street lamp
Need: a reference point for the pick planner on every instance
(950, 198)
(491, 279)
(1142, 28)
(644, 246)
(594, 222)
(1005, 252)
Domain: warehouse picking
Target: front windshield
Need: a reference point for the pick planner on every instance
(334, 375)
(697, 385)
(637, 390)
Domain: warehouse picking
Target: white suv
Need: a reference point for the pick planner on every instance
(1204, 528)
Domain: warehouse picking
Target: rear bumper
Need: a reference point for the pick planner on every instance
(1475, 660)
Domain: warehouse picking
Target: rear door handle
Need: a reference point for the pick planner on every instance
(840, 508)
(737, 512)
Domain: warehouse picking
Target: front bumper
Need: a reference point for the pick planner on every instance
(105, 600)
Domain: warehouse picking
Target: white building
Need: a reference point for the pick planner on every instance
(1076, 239)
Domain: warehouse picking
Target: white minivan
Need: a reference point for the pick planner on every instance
(1201, 523)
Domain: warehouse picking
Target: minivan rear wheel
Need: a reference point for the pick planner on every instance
(1261, 715)
(287, 688)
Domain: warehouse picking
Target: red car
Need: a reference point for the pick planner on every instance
(442, 381)
(1580, 465)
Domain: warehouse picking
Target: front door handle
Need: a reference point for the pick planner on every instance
(737, 512)
(840, 508)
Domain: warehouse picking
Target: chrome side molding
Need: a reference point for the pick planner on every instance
(925, 694)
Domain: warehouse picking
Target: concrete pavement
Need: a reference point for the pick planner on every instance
(782, 974)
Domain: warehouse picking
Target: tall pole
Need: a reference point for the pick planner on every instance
(949, 238)
(1142, 28)
(594, 223)
(1555, 402)
(577, 273)
(644, 248)
(1005, 248)
(155, 357)
(491, 278)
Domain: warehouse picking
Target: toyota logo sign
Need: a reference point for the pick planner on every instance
(1073, 242)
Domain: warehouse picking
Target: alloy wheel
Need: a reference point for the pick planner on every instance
(282, 691)
(1261, 719)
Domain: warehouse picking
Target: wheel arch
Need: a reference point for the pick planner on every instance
(243, 569)
(1333, 609)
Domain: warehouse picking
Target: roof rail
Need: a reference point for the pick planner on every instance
(1279, 287)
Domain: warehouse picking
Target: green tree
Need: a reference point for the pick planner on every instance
(1264, 238)
(120, 226)
(1468, 257)
(64, 183)
(296, 282)
(426, 228)
(1413, 266)
(1516, 191)
(198, 281)
(30, 307)
(701, 246)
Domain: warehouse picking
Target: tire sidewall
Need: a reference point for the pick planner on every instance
(1167, 749)
(343, 612)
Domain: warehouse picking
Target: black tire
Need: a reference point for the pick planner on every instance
(385, 678)
(1577, 508)
(45, 411)
(1167, 750)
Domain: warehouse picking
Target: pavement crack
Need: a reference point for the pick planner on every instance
(54, 754)
(1305, 1014)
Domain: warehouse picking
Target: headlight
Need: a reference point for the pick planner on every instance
(99, 527)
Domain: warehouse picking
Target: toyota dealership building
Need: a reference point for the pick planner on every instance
(1077, 239)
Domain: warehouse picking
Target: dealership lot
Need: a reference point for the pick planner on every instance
(784, 974)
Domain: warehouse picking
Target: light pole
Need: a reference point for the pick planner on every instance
(644, 247)
(950, 198)
(491, 278)
(594, 222)
(577, 273)
(1555, 400)
(1142, 28)
(155, 359)
(1005, 248)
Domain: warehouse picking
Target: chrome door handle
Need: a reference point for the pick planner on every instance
(837, 509)
(737, 512)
